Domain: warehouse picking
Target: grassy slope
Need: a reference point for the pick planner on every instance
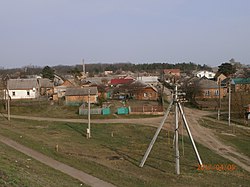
(234, 136)
(18, 169)
(44, 109)
(129, 143)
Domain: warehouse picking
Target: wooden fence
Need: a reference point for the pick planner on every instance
(147, 109)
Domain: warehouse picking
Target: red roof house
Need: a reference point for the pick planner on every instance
(115, 82)
(174, 72)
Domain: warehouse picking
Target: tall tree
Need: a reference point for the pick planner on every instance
(227, 69)
(48, 72)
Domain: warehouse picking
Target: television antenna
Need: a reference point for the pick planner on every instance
(176, 102)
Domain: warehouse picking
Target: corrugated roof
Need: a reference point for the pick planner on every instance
(148, 79)
(81, 91)
(45, 83)
(121, 81)
(21, 84)
(241, 81)
(205, 83)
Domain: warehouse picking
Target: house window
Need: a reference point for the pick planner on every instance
(144, 94)
(28, 93)
(13, 93)
(216, 92)
(207, 92)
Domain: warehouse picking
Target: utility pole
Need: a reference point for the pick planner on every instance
(229, 102)
(88, 129)
(83, 67)
(177, 154)
(219, 108)
(175, 101)
(8, 104)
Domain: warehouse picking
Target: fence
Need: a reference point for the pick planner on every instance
(92, 111)
(103, 111)
(146, 109)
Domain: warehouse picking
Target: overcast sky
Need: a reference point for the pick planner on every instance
(53, 32)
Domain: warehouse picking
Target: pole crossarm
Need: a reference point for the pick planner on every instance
(156, 134)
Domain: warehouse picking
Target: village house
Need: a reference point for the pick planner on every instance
(210, 89)
(241, 85)
(120, 81)
(172, 72)
(45, 86)
(219, 77)
(77, 96)
(108, 72)
(153, 80)
(23, 88)
(207, 74)
(147, 92)
(59, 91)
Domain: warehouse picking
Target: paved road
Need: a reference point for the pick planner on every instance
(75, 173)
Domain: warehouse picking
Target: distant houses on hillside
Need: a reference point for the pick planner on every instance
(141, 86)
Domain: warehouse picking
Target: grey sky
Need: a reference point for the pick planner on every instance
(53, 32)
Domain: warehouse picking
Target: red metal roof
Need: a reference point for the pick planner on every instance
(120, 81)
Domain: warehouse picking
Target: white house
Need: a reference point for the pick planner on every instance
(23, 88)
(207, 74)
(153, 80)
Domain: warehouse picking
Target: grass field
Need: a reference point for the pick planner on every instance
(45, 109)
(233, 136)
(116, 158)
(17, 169)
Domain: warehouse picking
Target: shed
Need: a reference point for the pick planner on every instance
(46, 86)
(76, 96)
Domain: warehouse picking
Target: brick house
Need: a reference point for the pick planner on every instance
(241, 85)
(148, 92)
(210, 89)
(172, 72)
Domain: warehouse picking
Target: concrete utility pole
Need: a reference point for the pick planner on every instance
(177, 154)
(83, 67)
(8, 105)
(219, 108)
(88, 129)
(8, 100)
(229, 103)
(175, 101)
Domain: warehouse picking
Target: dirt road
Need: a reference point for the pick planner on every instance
(206, 137)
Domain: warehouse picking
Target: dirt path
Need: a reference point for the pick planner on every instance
(201, 134)
(206, 137)
(142, 121)
(75, 173)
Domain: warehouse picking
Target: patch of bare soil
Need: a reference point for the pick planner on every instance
(206, 137)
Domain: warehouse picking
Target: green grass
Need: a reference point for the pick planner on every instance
(239, 137)
(129, 142)
(45, 109)
(17, 169)
(234, 119)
